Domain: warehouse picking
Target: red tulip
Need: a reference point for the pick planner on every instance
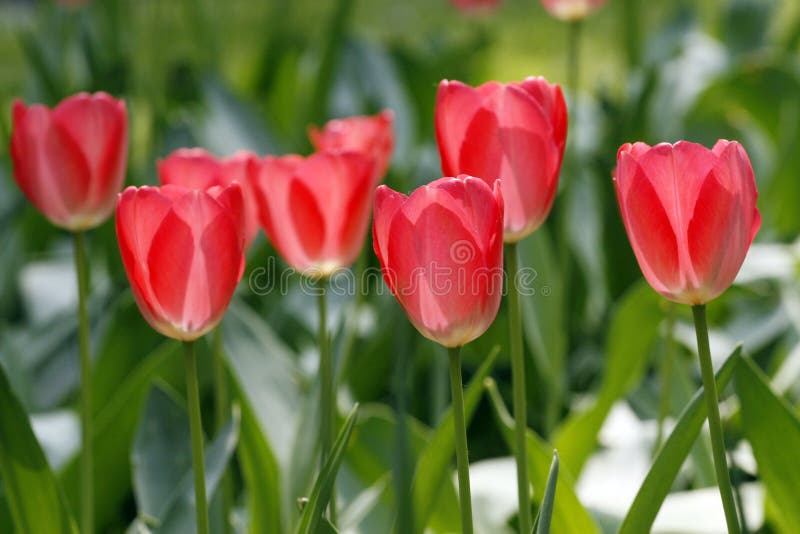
(441, 252)
(690, 214)
(473, 6)
(195, 168)
(315, 210)
(515, 132)
(70, 161)
(183, 253)
(371, 135)
(571, 10)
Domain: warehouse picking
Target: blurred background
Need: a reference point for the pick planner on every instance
(253, 75)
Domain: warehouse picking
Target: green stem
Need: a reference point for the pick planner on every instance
(221, 411)
(518, 382)
(714, 423)
(327, 399)
(196, 427)
(460, 428)
(665, 373)
(87, 470)
(351, 323)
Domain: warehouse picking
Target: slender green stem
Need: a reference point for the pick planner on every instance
(665, 374)
(351, 323)
(518, 382)
(87, 469)
(327, 399)
(196, 427)
(221, 411)
(714, 423)
(460, 428)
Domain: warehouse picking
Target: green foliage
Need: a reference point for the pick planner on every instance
(313, 510)
(569, 516)
(773, 429)
(36, 501)
(242, 74)
(672, 455)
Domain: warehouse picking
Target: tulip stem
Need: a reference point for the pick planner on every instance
(327, 399)
(665, 374)
(87, 469)
(196, 427)
(460, 428)
(714, 423)
(518, 382)
(221, 411)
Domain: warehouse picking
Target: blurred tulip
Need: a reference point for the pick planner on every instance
(315, 210)
(515, 132)
(690, 213)
(70, 161)
(474, 6)
(441, 250)
(371, 135)
(572, 10)
(183, 253)
(195, 168)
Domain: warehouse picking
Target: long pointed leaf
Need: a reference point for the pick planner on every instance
(569, 514)
(671, 456)
(546, 511)
(321, 494)
(773, 429)
(34, 497)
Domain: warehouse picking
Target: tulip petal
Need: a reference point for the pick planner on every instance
(49, 166)
(169, 262)
(650, 232)
(98, 125)
(307, 219)
(193, 168)
(387, 203)
(223, 263)
(456, 105)
(716, 237)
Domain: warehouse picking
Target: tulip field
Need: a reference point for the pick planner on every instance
(408, 267)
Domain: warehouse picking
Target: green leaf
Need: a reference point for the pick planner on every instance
(435, 461)
(180, 516)
(321, 494)
(634, 328)
(115, 426)
(160, 456)
(773, 429)
(545, 515)
(569, 515)
(162, 463)
(671, 456)
(261, 475)
(542, 313)
(34, 497)
(268, 383)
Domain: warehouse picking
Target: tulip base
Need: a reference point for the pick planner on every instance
(196, 428)
(87, 468)
(518, 384)
(714, 421)
(460, 427)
